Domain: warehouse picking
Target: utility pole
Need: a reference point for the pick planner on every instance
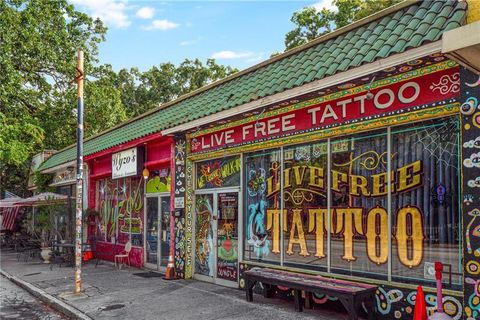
(79, 195)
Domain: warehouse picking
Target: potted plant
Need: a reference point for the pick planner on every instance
(45, 228)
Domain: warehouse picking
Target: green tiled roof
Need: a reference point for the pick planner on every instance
(389, 32)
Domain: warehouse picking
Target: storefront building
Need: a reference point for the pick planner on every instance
(353, 156)
(130, 193)
(362, 176)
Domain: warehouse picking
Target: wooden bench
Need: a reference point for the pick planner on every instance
(350, 294)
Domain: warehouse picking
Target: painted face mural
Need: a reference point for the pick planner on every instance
(204, 254)
(120, 203)
(424, 202)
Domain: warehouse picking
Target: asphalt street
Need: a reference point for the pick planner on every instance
(16, 303)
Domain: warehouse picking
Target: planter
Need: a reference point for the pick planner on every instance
(45, 254)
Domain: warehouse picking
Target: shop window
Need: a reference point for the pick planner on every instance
(305, 205)
(262, 206)
(160, 181)
(425, 204)
(218, 173)
(359, 212)
(419, 218)
(120, 203)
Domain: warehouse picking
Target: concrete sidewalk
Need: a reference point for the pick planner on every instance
(110, 293)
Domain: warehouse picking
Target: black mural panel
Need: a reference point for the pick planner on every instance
(470, 109)
(179, 206)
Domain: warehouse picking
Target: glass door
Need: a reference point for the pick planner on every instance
(227, 236)
(157, 231)
(204, 227)
(164, 231)
(216, 237)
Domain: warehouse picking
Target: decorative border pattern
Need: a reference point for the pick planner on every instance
(397, 119)
(336, 95)
(189, 220)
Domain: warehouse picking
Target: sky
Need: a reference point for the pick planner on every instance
(237, 33)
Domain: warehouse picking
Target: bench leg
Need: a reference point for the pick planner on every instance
(348, 304)
(249, 290)
(297, 295)
(370, 305)
(308, 300)
(267, 290)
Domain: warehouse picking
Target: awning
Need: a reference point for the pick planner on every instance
(42, 199)
(9, 202)
(9, 217)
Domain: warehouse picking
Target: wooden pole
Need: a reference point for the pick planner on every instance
(79, 194)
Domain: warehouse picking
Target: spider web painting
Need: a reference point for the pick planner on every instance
(440, 141)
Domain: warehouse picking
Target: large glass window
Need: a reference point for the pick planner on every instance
(359, 241)
(120, 204)
(425, 200)
(305, 204)
(262, 206)
(395, 235)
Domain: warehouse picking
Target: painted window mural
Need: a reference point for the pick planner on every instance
(386, 226)
(204, 227)
(120, 203)
(262, 230)
(218, 173)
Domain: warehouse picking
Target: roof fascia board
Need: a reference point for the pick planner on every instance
(338, 78)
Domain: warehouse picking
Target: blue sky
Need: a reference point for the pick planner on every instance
(237, 33)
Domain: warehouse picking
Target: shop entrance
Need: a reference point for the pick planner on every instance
(216, 236)
(157, 231)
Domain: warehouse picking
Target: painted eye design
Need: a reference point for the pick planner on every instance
(469, 106)
(474, 213)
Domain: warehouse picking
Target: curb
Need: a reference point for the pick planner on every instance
(47, 298)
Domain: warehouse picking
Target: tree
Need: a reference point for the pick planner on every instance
(39, 40)
(311, 24)
(163, 83)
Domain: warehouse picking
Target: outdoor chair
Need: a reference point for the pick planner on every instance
(124, 255)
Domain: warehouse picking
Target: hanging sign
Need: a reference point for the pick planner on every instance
(126, 163)
(396, 97)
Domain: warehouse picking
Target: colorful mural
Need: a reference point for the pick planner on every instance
(120, 203)
(218, 173)
(179, 206)
(470, 111)
(204, 247)
(394, 302)
(160, 181)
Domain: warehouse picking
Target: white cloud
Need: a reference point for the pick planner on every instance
(327, 4)
(226, 54)
(190, 42)
(145, 13)
(161, 25)
(112, 12)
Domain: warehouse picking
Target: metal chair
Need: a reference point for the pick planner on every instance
(125, 254)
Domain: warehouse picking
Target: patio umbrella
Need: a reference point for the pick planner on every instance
(42, 199)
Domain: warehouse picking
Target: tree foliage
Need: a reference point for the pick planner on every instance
(311, 24)
(39, 41)
(141, 91)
